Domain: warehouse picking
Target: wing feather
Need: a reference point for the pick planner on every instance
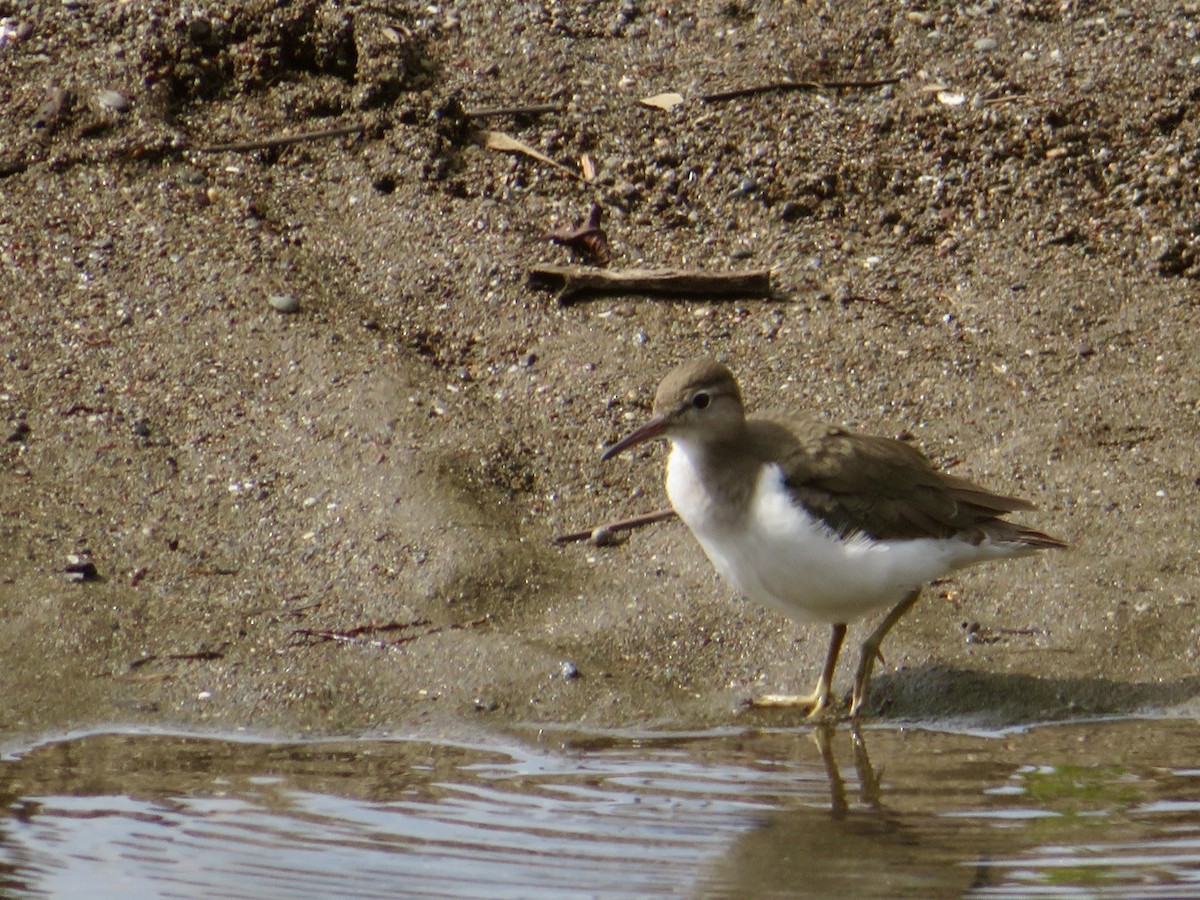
(885, 488)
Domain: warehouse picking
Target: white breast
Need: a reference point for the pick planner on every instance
(781, 556)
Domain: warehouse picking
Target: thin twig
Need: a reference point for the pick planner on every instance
(199, 655)
(603, 534)
(281, 140)
(372, 627)
(1007, 98)
(437, 629)
(533, 110)
(795, 86)
(355, 635)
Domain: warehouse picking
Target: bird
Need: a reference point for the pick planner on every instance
(815, 521)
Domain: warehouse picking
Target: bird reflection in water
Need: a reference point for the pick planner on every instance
(850, 844)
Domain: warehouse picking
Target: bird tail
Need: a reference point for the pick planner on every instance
(1028, 539)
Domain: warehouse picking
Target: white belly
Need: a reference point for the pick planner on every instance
(783, 557)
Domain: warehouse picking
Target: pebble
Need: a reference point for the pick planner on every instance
(10, 33)
(113, 100)
(790, 211)
(51, 108)
(986, 44)
(568, 669)
(605, 537)
(80, 568)
(200, 30)
(284, 303)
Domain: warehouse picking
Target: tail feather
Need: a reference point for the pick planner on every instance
(1028, 538)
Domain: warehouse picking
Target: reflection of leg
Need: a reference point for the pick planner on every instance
(819, 698)
(868, 780)
(838, 806)
(870, 651)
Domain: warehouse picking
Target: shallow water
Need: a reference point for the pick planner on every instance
(1081, 810)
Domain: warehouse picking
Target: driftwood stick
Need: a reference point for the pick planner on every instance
(603, 535)
(575, 280)
(281, 140)
(795, 86)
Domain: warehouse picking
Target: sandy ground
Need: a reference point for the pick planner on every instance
(994, 253)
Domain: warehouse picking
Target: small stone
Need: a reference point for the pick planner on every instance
(284, 303)
(986, 44)
(791, 211)
(113, 100)
(888, 217)
(603, 536)
(1084, 349)
(20, 431)
(57, 99)
(200, 30)
(80, 568)
(568, 669)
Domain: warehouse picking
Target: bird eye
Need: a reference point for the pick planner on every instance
(701, 400)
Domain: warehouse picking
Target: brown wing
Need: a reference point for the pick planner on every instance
(889, 490)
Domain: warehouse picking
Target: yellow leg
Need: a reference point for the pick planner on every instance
(819, 698)
(870, 651)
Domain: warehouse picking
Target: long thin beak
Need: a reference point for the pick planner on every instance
(652, 429)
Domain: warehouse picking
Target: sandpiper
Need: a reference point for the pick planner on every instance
(817, 522)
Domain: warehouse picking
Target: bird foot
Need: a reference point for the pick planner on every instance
(856, 705)
(816, 704)
(862, 678)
